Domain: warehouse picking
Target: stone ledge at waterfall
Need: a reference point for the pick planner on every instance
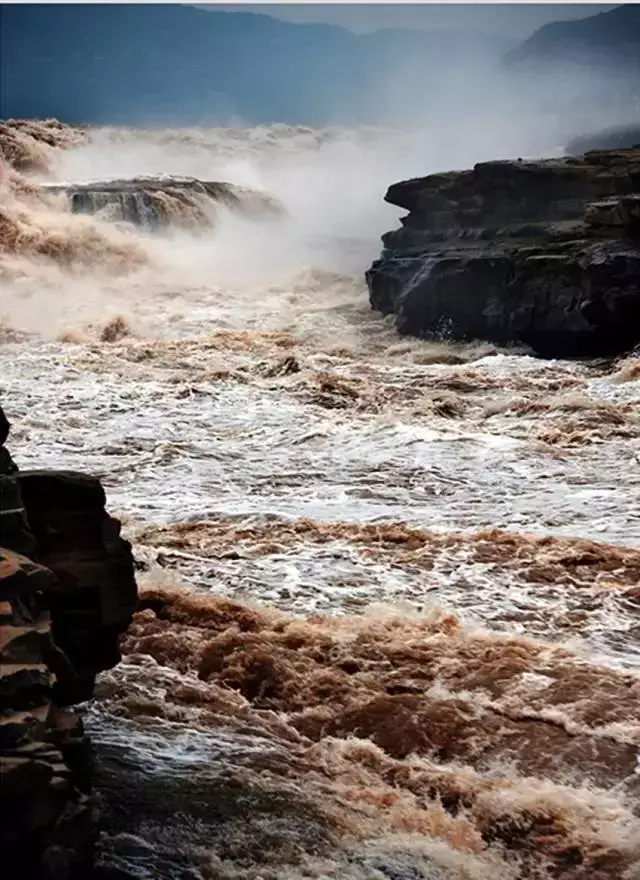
(67, 592)
(155, 203)
(544, 253)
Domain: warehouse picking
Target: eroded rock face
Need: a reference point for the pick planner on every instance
(61, 614)
(543, 253)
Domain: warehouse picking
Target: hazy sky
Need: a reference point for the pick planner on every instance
(517, 20)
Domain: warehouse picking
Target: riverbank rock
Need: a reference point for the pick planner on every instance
(156, 203)
(62, 610)
(545, 253)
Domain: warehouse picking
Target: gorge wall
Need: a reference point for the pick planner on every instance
(67, 592)
(542, 253)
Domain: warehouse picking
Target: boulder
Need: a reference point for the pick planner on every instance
(61, 614)
(95, 593)
(545, 253)
(621, 212)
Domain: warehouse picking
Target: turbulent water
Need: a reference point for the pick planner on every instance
(391, 622)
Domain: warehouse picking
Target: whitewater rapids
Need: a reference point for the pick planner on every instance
(391, 588)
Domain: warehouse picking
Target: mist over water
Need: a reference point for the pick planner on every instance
(390, 587)
(331, 182)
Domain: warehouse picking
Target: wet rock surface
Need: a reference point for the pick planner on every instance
(62, 610)
(544, 253)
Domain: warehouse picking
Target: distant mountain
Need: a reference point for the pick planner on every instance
(581, 76)
(608, 40)
(161, 64)
(616, 138)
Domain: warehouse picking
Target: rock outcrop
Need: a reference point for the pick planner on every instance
(155, 203)
(67, 592)
(542, 253)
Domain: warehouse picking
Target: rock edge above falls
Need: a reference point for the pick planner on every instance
(155, 203)
(543, 253)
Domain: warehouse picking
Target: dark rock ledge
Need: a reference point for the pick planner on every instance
(543, 253)
(67, 592)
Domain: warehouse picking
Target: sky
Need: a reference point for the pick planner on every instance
(516, 20)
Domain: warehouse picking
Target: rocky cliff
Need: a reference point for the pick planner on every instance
(67, 592)
(542, 253)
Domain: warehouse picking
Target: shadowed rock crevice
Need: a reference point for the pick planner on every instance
(545, 253)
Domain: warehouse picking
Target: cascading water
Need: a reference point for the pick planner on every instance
(158, 203)
(389, 624)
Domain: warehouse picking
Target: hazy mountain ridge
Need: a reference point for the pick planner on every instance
(145, 64)
(154, 64)
(609, 38)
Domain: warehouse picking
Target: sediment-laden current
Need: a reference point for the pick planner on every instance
(390, 622)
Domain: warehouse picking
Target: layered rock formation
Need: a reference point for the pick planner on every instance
(545, 253)
(158, 202)
(62, 610)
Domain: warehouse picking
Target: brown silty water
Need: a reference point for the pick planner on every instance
(390, 609)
